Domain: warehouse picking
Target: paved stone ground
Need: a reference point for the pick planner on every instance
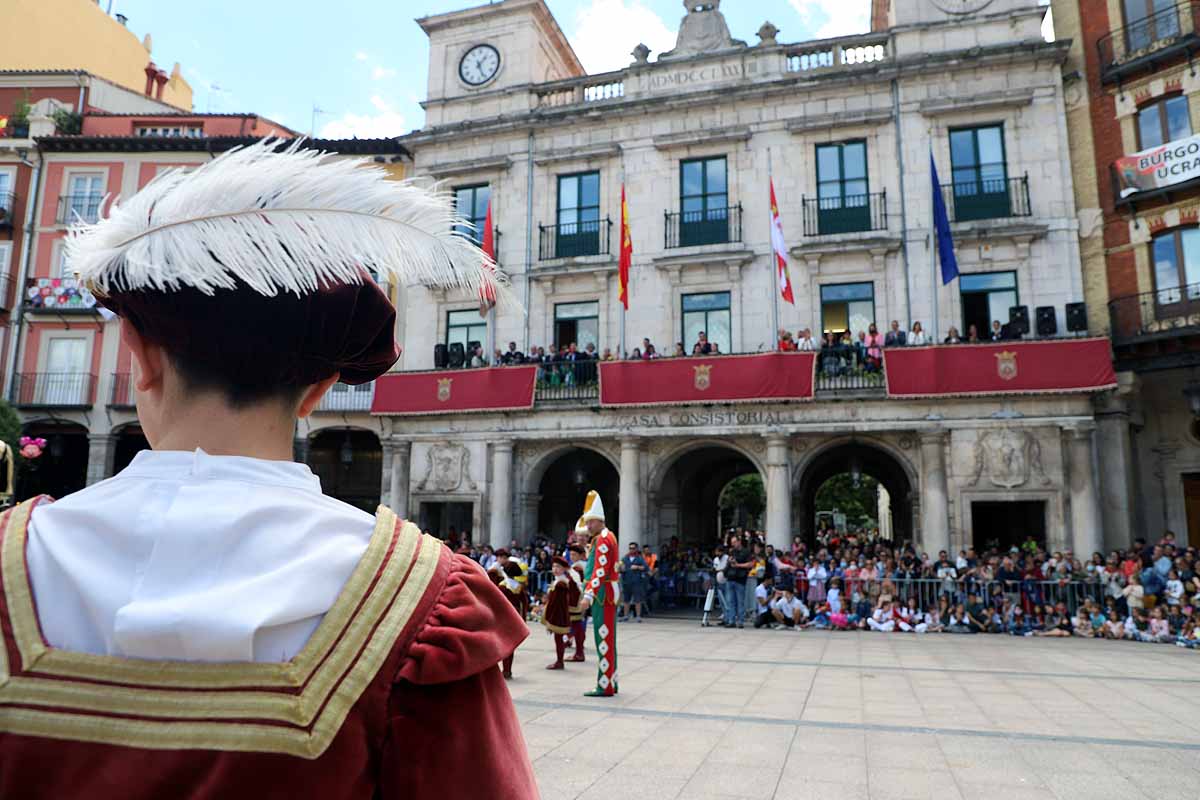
(706, 713)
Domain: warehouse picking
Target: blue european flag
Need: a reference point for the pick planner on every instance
(941, 226)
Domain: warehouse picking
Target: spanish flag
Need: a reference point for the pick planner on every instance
(626, 259)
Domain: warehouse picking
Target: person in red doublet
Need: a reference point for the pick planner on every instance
(513, 589)
(602, 592)
(207, 624)
(556, 617)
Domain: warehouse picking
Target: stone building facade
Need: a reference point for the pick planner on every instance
(844, 128)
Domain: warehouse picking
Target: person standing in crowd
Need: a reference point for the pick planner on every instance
(917, 338)
(578, 558)
(895, 337)
(633, 581)
(738, 569)
(997, 334)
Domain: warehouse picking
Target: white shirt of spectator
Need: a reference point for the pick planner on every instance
(762, 595)
(806, 344)
(788, 607)
(719, 564)
(917, 338)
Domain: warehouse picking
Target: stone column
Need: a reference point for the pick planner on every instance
(1086, 528)
(1116, 471)
(779, 493)
(500, 526)
(102, 450)
(396, 457)
(935, 501)
(630, 501)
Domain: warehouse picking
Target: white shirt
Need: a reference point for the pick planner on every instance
(806, 344)
(788, 607)
(763, 596)
(187, 556)
(917, 338)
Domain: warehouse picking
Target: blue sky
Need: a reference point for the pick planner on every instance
(363, 62)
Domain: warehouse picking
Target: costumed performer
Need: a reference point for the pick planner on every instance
(578, 624)
(207, 624)
(556, 617)
(509, 581)
(601, 594)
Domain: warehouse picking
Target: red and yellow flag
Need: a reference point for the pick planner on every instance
(626, 259)
(487, 292)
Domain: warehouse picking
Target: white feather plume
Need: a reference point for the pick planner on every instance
(280, 221)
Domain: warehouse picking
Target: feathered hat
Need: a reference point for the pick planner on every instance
(269, 250)
(592, 508)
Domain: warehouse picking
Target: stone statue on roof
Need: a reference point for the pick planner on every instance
(703, 30)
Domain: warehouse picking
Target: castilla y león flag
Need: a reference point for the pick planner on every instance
(780, 248)
(626, 259)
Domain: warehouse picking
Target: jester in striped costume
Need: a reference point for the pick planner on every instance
(601, 593)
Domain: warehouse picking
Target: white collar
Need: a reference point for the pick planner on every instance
(199, 465)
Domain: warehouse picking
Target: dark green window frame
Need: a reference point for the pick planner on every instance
(471, 204)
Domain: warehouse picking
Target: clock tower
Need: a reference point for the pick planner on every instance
(924, 26)
(916, 12)
(478, 55)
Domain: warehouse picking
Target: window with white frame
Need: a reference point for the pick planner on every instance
(85, 192)
(65, 379)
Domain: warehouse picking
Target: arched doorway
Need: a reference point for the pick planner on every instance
(130, 441)
(870, 483)
(349, 463)
(62, 467)
(564, 486)
(688, 502)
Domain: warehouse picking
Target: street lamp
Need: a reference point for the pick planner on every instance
(347, 452)
(855, 473)
(1192, 393)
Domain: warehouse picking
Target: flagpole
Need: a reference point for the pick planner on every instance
(774, 263)
(620, 246)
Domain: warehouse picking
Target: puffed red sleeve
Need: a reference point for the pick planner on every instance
(452, 729)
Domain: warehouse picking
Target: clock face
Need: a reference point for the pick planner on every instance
(962, 6)
(479, 65)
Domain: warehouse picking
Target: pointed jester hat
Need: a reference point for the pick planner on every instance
(259, 263)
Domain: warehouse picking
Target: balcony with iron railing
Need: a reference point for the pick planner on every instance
(1170, 33)
(65, 390)
(7, 204)
(79, 208)
(574, 239)
(826, 216)
(1164, 314)
(342, 397)
(696, 228)
(849, 370)
(987, 198)
(58, 296)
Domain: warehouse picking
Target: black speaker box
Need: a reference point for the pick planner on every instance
(1047, 321)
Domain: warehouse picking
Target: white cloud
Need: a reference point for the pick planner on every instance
(607, 30)
(386, 122)
(360, 56)
(379, 73)
(825, 19)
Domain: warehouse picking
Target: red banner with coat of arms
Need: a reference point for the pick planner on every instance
(697, 380)
(455, 391)
(1056, 366)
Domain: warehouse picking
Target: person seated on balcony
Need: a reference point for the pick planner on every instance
(895, 337)
(806, 342)
(498, 359)
(477, 359)
(874, 344)
(716, 349)
(702, 347)
(786, 343)
(972, 334)
(636, 355)
(647, 347)
(952, 336)
(513, 355)
(649, 353)
(679, 351)
(997, 331)
(918, 338)
(607, 355)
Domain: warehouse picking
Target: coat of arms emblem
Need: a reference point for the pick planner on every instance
(703, 377)
(443, 393)
(1006, 365)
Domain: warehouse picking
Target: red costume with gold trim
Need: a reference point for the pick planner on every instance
(394, 692)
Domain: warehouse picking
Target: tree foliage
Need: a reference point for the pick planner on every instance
(10, 425)
(860, 505)
(743, 499)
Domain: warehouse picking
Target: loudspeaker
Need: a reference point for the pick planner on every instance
(1076, 317)
(458, 356)
(1018, 320)
(1047, 322)
(441, 357)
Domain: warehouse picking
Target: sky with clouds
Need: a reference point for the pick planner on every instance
(363, 63)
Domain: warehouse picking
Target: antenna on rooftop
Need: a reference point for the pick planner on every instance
(312, 128)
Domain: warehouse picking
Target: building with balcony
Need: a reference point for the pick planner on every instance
(844, 128)
(1133, 112)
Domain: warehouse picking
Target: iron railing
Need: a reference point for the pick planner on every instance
(572, 381)
(572, 239)
(1165, 34)
(122, 391)
(342, 397)
(53, 390)
(58, 295)
(1168, 312)
(849, 369)
(987, 198)
(7, 201)
(74, 208)
(847, 214)
(711, 226)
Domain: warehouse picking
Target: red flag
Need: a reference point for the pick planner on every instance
(626, 259)
(780, 248)
(487, 291)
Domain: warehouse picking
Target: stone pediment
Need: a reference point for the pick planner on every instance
(703, 30)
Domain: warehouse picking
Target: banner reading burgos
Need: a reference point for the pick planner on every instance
(765, 377)
(455, 391)
(1172, 163)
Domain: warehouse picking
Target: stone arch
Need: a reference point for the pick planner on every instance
(551, 502)
(349, 461)
(128, 440)
(685, 484)
(63, 466)
(537, 470)
(879, 458)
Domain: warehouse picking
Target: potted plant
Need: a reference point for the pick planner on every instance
(18, 123)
